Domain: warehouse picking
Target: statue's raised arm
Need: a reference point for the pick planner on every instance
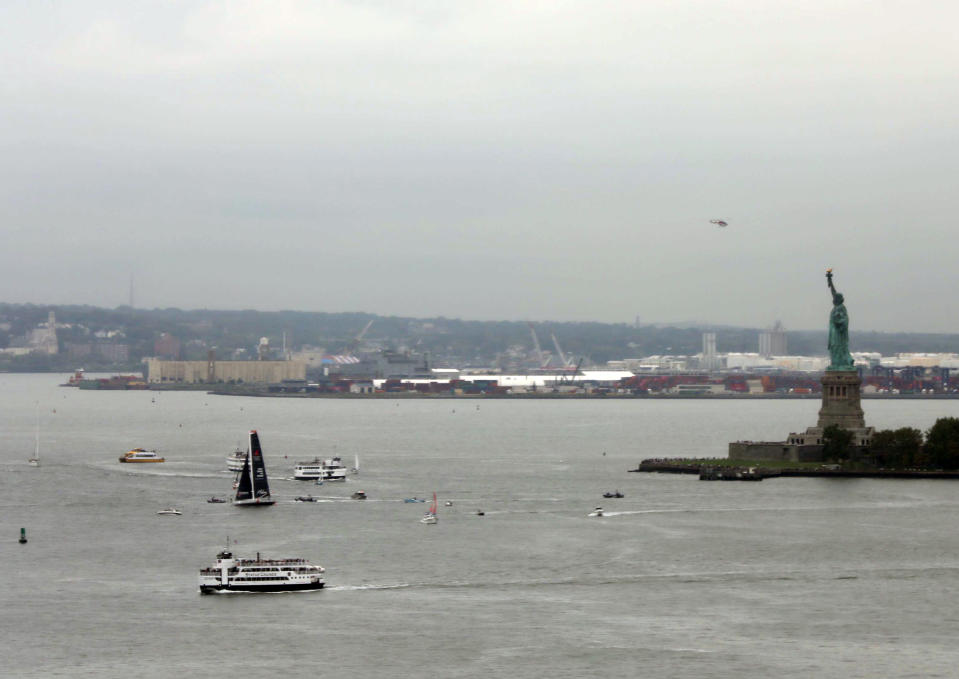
(840, 358)
(832, 288)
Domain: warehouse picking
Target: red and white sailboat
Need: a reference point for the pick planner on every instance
(430, 515)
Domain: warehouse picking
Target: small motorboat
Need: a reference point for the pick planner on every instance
(216, 500)
(413, 499)
(448, 503)
(430, 516)
(480, 512)
(359, 495)
(304, 498)
(596, 512)
(171, 511)
(616, 494)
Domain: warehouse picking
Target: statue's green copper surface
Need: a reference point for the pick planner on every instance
(840, 358)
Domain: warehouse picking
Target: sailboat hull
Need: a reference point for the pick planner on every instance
(254, 503)
(299, 587)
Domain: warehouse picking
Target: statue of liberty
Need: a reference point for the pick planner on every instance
(840, 358)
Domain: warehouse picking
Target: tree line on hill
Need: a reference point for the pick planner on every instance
(903, 448)
(455, 341)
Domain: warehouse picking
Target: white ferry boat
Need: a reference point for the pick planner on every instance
(332, 469)
(141, 455)
(259, 575)
(308, 471)
(235, 461)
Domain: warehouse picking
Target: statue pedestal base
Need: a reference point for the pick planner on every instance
(840, 406)
(840, 400)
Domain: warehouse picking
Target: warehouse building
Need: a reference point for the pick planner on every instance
(223, 372)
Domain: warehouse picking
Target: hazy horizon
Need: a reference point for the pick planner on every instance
(487, 161)
(678, 324)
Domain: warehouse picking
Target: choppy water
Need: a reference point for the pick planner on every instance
(786, 578)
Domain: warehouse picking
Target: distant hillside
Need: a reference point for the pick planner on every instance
(459, 342)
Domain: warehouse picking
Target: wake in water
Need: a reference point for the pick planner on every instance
(705, 578)
(358, 588)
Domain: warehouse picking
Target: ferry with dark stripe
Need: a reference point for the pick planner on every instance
(259, 575)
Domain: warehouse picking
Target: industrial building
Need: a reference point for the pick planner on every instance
(228, 372)
(772, 342)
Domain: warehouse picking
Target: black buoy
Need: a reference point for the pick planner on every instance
(23, 536)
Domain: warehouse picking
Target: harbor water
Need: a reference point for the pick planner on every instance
(681, 578)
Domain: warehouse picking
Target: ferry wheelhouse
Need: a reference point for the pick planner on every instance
(230, 574)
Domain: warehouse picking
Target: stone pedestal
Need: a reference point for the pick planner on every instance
(840, 400)
(840, 406)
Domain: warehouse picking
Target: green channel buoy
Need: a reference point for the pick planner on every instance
(23, 536)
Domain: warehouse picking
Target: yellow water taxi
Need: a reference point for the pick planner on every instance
(141, 455)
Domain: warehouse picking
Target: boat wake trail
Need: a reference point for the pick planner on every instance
(355, 588)
(732, 578)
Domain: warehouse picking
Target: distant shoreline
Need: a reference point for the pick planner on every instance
(546, 395)
(692, 466)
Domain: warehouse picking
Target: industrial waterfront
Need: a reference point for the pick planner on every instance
(797, 578)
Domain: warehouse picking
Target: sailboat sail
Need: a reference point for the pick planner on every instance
(433, 506)
(253, 487)
(35, 460)
(261, 487)
(244, 491)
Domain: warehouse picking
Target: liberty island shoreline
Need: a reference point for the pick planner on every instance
(411, 395)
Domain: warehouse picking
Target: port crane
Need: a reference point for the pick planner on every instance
(543, 363)
(570, 377)
(567, 361)
(355, 342)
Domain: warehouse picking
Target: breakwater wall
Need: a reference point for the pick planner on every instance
(678, 466)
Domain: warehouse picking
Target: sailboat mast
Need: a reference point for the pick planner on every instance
(37, 451)
(249, 454)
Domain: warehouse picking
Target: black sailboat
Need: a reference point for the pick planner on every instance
(253, 489)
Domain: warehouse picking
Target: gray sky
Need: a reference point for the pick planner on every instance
(484, 160)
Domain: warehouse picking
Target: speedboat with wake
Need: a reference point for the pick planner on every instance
(596, 512)
(170, 511)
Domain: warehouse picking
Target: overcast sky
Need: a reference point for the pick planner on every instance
(484, 160)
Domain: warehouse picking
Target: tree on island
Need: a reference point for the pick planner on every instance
(942, 443)
(837, 443)
(898, 449)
